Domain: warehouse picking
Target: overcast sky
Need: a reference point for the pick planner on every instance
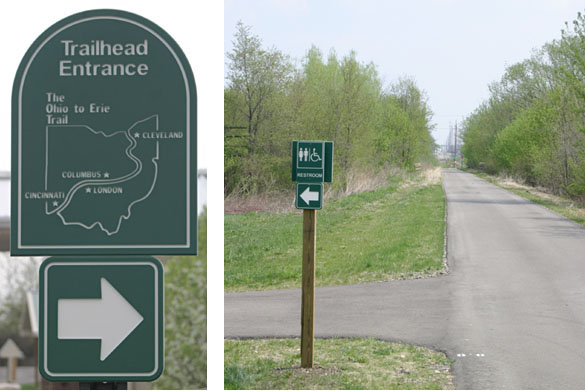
(452, 48)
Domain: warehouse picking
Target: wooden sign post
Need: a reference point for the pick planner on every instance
(312, 164)
(308, 290)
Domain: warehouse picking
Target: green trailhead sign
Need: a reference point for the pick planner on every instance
(101, 319)
(104, 141)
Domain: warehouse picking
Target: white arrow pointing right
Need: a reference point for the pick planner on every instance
(309, 196)
(110, 319)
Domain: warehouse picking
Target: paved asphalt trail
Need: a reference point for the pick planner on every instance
(513, 301)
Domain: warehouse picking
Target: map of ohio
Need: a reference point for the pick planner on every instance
(112, 172)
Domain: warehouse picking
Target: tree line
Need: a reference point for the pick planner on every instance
(269, 101)
(533, 124)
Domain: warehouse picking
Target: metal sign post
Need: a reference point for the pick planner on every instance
(103, 386)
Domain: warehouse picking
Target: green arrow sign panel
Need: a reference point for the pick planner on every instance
(309, 196)
(101, 319)
(104, 141)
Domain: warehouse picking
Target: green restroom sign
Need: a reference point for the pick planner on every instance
(312, 161)
(104, 141)
(101, 319)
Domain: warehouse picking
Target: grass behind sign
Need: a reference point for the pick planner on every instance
(394, 232)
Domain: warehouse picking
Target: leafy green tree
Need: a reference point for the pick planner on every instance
(532, 126)
(256, 74)
(268, 103)
(404, 126)
(340, 98)
(186, 318)
(255, 84)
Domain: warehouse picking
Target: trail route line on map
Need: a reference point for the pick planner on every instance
(87, 209)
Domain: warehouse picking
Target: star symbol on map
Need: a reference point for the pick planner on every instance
(55, 203)
(106, 174)
(136, 135)
(88, 189)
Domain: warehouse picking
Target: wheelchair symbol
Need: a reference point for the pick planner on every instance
(315, 156)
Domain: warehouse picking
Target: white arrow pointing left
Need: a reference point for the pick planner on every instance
(110, 319)
(309, 196)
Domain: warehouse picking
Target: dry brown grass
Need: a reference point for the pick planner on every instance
(513, 183)
(358, 181)
(266, 202)
(432, 176)
(569, 208)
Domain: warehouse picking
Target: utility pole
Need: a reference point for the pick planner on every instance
(455, 140)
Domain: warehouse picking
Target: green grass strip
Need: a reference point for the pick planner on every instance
(393, 232)
(351, 364)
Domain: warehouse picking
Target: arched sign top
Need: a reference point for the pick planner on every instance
(104, 132)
